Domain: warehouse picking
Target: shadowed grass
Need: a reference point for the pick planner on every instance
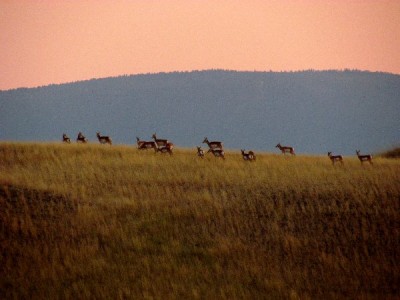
(394, 153)
(89, 221)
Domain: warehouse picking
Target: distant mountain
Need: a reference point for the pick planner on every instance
(313, 111)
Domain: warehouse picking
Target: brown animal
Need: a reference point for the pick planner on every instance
(285, 149)
(160, 142)
(363, 158)
(217, 153)
(104, 139)
(200, 152)
(81, 138)
(335, 158)
(213, 145)
(166, 149)
(66, 139)
(249, 156)
(144, 145)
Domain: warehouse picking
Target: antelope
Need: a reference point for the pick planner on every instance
(143, 145)
(66, 139)
(166, 149)
(285, 149)
(200, 152)
(104, 139)
(362, 158)
(81, 138)
(159, 142)
(250, 156)
(217, 153)
(335, 158)
(213, 145)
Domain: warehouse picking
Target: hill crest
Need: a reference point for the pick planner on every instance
(314, 111)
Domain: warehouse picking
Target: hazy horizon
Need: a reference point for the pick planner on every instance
(313, 111)
(194, 71)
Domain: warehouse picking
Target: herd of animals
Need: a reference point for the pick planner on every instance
(215, 147)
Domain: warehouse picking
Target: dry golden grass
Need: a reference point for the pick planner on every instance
(91, 221)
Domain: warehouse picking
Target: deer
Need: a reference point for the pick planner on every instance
(217, 153)
(249, 156)
(363, 158)
(104, 139)
(213, 145)
(335, 158)
(66, 139)
(81, 138)
(200, 152)
(159, 142)
(285, 149)
(144, 145)
(166, 149)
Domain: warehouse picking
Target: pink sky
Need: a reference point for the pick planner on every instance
(44, 42)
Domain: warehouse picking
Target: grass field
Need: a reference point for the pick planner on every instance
(91, 221)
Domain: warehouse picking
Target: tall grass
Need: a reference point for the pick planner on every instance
(90, 221)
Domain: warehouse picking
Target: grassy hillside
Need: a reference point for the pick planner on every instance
(89, 221)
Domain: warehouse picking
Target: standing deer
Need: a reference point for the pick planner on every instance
(335, 158)
(213, 145)
(104, 139)
(66, 139)
(362, 158)
(160, 142)
(217, 153)
(143, 145)
(200, 152)
(285, 149)
(81, 138)
(249, 156)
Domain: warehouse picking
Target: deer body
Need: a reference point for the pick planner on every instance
(213, 145)
(335, 158)
(200, 152)
(66, 139)
(144, 145)
(218, 153)
(249, 156)
(363, 158)
(160, 142)
(285, 149)
(104, 139)
(166, 149)
(81, 138)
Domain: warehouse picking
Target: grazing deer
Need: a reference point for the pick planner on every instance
(213, 145)
(200, 152)
(104, 139)
(249, 156)
(66, 139)
(285, 149)
(362, 158)
(159, 142)
(143, 145)
(81, 138)
(335, 158)
(166, 149)
(217, 153)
